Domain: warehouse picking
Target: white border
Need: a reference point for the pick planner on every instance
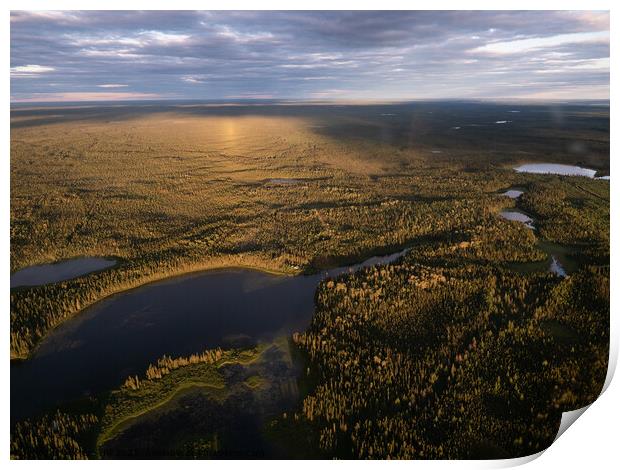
(592, 442)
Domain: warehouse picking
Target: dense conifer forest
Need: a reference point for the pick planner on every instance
(465, 347)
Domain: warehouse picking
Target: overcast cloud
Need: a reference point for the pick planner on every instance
(68, 56)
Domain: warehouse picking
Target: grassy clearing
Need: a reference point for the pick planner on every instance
(164, 381)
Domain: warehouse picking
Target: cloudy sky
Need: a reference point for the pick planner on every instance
(69, 56)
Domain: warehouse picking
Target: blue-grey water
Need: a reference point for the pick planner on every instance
(518, 217)
(555, 169)
(61, 271)
(553, 250)
(123, 334)
(556, 267)
(513, 193)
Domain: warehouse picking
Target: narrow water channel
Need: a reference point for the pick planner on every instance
(559, 260)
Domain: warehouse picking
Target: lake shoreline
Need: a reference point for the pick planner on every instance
(217, 264)
(152, 279)
(529, 167)
(115, 260)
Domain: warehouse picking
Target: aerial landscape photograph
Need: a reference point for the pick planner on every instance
(306, 234)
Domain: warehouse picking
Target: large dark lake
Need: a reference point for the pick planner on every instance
(123, 334)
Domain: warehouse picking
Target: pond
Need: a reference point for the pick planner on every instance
(60, 271)
(518, 216)
(123, 334)
(513, 193)
(555, 169)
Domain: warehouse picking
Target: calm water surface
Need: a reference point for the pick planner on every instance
(123, 334)
(518, 217)
(555, 169)
(61, 271)
(513, 193)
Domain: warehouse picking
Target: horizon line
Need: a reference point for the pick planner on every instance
(310, 101)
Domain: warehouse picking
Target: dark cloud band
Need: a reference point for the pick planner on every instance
(358, 55)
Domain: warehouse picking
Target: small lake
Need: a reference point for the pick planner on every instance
(60, 271)
(123, 334)
(555, 169)
(513, 193)
(518, 216)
